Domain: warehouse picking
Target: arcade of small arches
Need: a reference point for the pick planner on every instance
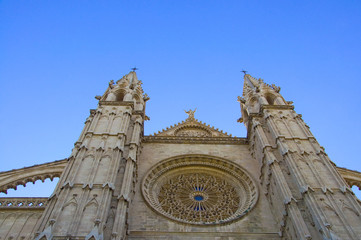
(122, 95)
(14, 178)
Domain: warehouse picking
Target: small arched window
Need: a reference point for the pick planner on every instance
(137, 103)
(119, 96)
(270, 99)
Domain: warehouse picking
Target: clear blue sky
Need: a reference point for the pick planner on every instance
(55, 56)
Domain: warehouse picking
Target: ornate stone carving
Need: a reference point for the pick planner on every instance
(199, 190)
(199, 197)
(23, 203)
(192, 132)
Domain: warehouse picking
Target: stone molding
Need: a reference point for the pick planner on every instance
(282, 107)
(117, 103)
(195, 140)
(203, 235)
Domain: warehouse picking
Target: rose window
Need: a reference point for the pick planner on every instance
(199, 190)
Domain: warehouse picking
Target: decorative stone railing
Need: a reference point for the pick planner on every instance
(23, 203)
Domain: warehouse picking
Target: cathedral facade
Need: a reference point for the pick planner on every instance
(189, 181)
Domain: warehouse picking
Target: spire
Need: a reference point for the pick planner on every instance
(259, 83)
(128, 88)
(257, 94)
(130, 80)
(251, 81)
(253, 87)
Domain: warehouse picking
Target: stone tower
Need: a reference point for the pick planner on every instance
(93, 194)
(310, 198)
(188, 181)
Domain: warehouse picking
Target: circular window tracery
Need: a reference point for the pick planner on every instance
(199, 190)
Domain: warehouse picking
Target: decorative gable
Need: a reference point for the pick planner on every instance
(191, 127)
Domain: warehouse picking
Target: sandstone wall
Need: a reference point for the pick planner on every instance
(19, 216)
(145, 223)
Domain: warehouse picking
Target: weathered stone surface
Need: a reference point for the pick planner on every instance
(189, 181)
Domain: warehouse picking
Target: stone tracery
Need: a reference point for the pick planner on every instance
(199, 197)
(199, 190)
(192, 132)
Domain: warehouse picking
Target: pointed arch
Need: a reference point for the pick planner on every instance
(137, 102)
(253, 105)
(66, 217)
(117, 122)
(119, 94)
(88, 216)
(270, 98)
(85, 169)
(8, 224)
(102, 170)
(295, 128)
(102, 124)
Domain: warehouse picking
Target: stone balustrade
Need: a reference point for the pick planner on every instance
(23, 203)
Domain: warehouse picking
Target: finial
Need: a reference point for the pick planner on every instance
(190, 113)
(241, 99)
(134, 69)
(146, 97)
(244, 72)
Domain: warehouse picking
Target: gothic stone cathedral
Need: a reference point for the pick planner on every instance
(190, 181)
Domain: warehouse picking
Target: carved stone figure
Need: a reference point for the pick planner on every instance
(190, 113)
